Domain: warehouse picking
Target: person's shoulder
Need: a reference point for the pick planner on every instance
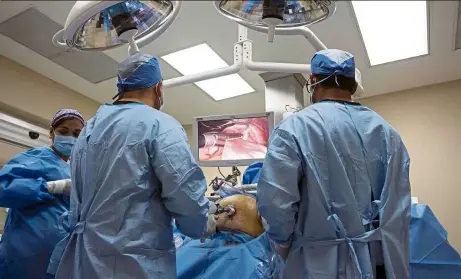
(158, 122)
(162, 121)
(168, 120)
(44, 150)
(146, 116)
(375, 119)
(302, 118)
(31, 156)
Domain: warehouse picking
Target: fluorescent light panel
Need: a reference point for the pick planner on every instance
(202, 58)
(392, 30)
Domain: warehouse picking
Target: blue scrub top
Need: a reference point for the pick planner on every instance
(34, 224)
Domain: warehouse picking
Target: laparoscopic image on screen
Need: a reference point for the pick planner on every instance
(236, 139)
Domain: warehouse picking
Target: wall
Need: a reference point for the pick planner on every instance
(35, 98)
(32, 97)
(429, 120)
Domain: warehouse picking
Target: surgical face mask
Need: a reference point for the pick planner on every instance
(64, 144)
(312, 86)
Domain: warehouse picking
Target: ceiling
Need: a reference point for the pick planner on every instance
(199, 22)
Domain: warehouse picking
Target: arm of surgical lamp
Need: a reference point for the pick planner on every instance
(178, 81)
(285, 67)
(243, 54)
(303, 31)
(232, 69)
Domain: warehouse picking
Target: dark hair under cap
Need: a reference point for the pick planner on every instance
(64, 114)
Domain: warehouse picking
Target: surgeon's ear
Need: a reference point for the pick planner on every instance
(159, 89)
(354, 88)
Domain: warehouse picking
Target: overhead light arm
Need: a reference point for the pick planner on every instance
(302, 31)
(243, 58)
(233, 69)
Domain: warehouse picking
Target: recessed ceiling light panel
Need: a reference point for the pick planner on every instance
(201, 58)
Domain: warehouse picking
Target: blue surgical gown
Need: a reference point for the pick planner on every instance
(35, 222)
(432, 256)
(133, 171)
(335, 184)
(216, 258)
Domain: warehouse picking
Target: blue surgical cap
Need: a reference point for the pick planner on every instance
(335, 62)
(138, 71)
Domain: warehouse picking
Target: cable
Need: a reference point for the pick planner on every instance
(221, 172)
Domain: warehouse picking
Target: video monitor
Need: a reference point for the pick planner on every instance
(232, 140)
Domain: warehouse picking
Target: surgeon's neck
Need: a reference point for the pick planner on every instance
(146, 101)
(144, 96)
(334, 94)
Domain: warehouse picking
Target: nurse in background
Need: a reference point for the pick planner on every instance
(34, 224)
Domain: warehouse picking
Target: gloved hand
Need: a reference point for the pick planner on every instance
(59, 186)
(282, 250)
(213, 208)
(211, 227)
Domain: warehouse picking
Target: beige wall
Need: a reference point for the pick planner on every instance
(429, 120)
(35, 98)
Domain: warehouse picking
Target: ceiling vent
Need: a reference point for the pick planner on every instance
(34, 30)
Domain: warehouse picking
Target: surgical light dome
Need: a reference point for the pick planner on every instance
(278, 14)
(100, 25)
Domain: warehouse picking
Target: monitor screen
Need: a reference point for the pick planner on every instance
(232, 140)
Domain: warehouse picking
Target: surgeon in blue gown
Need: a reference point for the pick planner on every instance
(132, 172)
(334, 188)
(35, 220)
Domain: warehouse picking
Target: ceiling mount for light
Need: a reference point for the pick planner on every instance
(101, 25)
(272, 14)
(281, 17)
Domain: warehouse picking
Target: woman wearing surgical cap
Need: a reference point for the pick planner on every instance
(35, 220)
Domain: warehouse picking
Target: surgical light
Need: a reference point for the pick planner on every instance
(101, 25)
(278, 14)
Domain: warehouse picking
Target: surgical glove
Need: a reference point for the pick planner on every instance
(282, 250)
(213, 208)
(264, 222)
(59, 186)
(211, 227)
